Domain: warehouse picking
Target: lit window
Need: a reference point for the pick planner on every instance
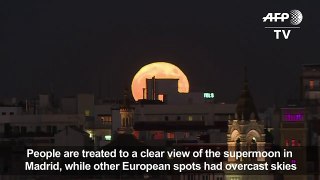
(293, 117)
(311, 84)
(160, 97)
(190, 118)
(157, 135)
(298, 143)
(170, 135)
(87, 112)
(293, 161)
(287, 142)
(136, 134)
(105, 119)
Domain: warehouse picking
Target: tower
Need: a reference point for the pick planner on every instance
(126, 116)
(245, 131)
(293, 130)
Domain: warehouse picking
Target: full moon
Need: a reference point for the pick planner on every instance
(161, 70)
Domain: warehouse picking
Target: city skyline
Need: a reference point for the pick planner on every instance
(76, 47)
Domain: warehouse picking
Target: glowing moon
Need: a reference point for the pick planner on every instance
(160, 70)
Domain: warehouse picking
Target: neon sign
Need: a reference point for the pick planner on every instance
(208, 95)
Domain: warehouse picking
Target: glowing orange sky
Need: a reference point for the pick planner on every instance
(160, 70)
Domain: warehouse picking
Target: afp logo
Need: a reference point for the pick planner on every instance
(294, 17)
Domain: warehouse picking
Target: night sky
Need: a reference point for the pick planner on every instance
(72, 45)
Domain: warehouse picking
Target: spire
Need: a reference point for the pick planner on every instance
(126, 100)
(245, 106)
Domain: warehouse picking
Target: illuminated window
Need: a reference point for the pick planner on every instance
(311, 84)
(136, 134)
(293, 117)
(160, 97)
(87, 112)
(170, 135)
(157, 135)
(235, 178)
(190, 118)
(105, 119)
(298, 143)
(287, 142)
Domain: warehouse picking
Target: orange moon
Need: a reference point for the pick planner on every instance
(161, 70)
